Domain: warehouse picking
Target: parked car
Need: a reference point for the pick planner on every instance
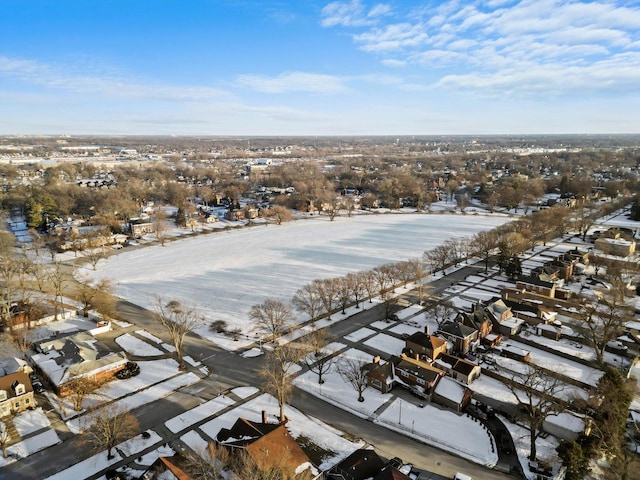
(131, 369)
(37, 386)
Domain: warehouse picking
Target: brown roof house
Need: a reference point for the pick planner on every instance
(380, 375)
(451, 394)
(462, 370)
(423, 346)
(464, 339)
(421, 376)
(504, 322)
(362, 464)
(16, 394)
(268, 445)
(167, 468)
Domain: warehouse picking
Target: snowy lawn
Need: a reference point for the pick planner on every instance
(150, 336)
(30, 421)
(198, 414)
(358, 335)
(195, 272)
(571, 369)
(440, 427)
(386, 343)
(30, 446)
(411, 420)
(135, 346)
(404, 329)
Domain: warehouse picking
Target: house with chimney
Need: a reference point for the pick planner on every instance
(423, 346)
(269, 445)
(463, 339)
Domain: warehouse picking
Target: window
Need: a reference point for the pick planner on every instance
(16, 405)
(3, 395)
(26, 401)
(19, 389)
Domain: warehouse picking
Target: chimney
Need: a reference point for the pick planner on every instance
(376, 359)
(426, 330)
(264, 417)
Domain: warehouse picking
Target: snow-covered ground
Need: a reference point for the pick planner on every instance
(224, 274)
(406, 417)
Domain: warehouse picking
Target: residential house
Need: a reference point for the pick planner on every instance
(419, 375)
(78, 355)
(478, 319)
(16, 394)
(549, 330)
(615, 244)
(451, 394)
(380, 375)
(139, 227)
(268, 445)
(423, 346)
(167, 468)
(504, 322)
(463, 338)
(515, 353)
(535, 284)
(362, 464)
(461, 369)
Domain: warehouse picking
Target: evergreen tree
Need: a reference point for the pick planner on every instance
(33, 212)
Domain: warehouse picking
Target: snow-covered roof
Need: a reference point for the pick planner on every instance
(450, 389)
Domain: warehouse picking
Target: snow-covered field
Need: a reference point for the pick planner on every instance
(224, 274)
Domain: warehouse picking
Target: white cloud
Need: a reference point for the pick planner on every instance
(509, 44)
(392, 37)
(352, 14)
(109, 85)
(294, 82)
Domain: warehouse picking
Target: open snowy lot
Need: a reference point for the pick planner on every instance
(224, 274)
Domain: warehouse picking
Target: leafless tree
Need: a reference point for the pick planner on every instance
(438, 257)
(352, 371)
(344, 293)
(319, 360)
(8, 273)
(160, 226)
(94, 242)
(209, 463)
(5, 438)
(328, 293)
(602, 321)
(353, 281)
(419, 275)
(331, 205)
(88, 295)
(59, 281)
(272, 316)
(307, 300)
(279, 213)
(276, 372)
(442, 311)
(79, 387)
(107, 427)
(369, 284)
(536, 393)
(178, 320)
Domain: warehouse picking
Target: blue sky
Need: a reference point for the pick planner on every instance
(310, 67)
